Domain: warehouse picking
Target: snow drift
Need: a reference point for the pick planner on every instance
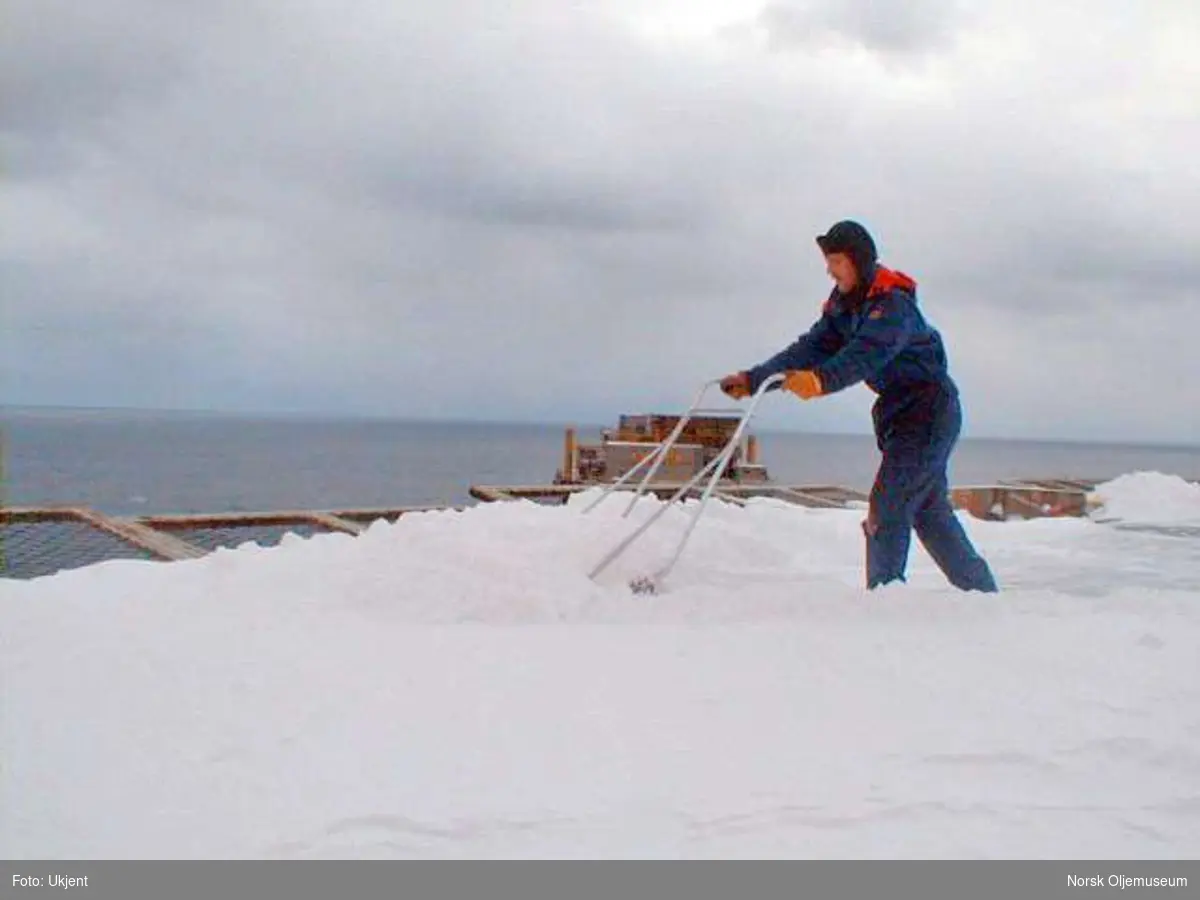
(454, 686)
(1149, 498)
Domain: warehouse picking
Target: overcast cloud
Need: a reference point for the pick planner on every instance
(522, 210)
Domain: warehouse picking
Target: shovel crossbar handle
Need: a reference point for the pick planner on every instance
(716, 466)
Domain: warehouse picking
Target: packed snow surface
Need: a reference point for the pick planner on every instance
(453, 685)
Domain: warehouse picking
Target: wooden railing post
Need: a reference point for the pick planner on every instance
(570, 457)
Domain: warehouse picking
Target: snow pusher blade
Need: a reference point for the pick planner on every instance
(652, 583)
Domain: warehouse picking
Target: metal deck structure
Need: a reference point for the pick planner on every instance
(35, 542)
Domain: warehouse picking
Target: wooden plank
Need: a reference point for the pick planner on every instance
(1055, 484)
(164, 546)
(326, 518)
(28, 514)
(817, 488)
(848, 494)
(534, 490)
(371, 514)
(336, 523)
(840, 494)
(1030, 483)
(749, 491)
(811, 499)
(1047, 503)
(1017, 499)
(492, 494)
(728, 498)
(1006, 486)
(1079, 484)
(227, 519)
(1062, 503)
(979, 501)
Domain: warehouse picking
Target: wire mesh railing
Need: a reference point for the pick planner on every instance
(35, 542)
(211, 538)
(32, 549)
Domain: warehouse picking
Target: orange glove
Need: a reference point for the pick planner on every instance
(736, 385)
(804, 384)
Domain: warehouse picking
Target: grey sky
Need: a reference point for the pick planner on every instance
(522, 210)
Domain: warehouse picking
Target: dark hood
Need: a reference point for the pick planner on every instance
(855, 241)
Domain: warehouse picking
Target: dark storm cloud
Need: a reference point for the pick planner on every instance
(524, 210)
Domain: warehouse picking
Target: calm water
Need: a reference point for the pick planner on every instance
(139, 463)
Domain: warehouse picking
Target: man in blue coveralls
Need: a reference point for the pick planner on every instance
(871, 330)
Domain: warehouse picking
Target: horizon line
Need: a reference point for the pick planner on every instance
(537, 421)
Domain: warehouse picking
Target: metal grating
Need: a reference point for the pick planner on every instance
(41, 541)
(560, 500)
(368, 517)
(231, 536)
(35, 549)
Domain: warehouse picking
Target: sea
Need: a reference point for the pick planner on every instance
(130, 463)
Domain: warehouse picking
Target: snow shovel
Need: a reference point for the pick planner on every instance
(650, 584)
(653, 459)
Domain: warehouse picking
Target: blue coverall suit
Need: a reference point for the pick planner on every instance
(877, 334)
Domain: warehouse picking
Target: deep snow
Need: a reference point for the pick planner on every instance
(453, 685)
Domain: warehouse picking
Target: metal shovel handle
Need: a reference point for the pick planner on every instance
(655, 458)
(717, 466)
